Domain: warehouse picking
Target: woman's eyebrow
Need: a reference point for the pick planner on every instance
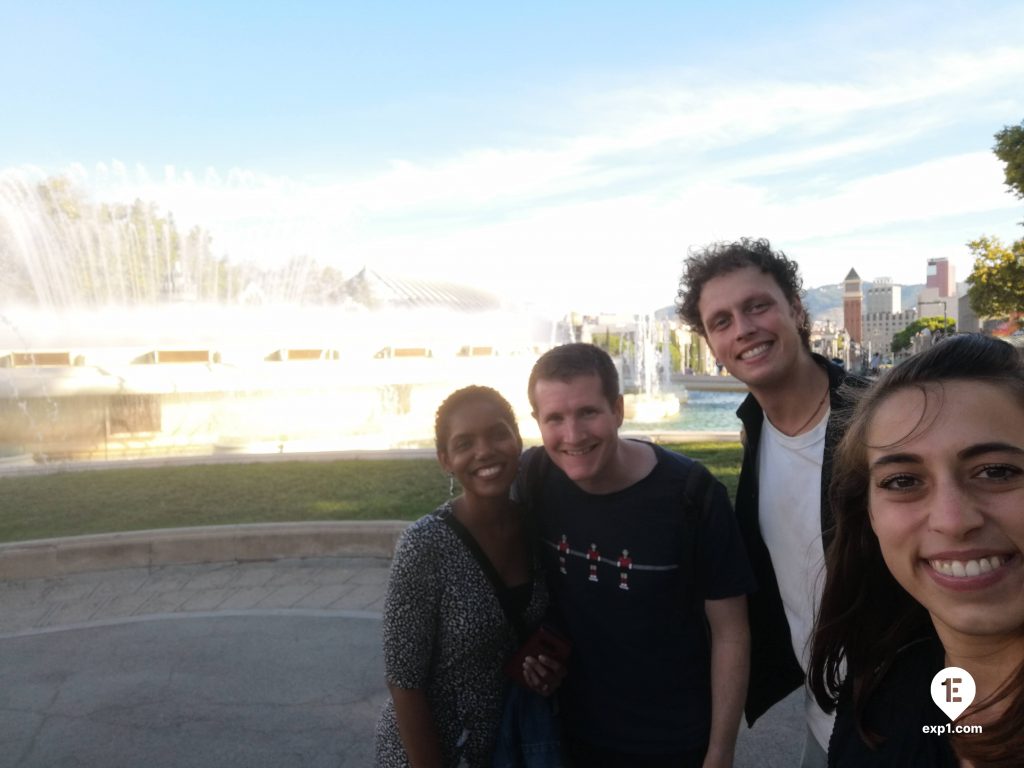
(896, 458)
(970, 452)
(979, 449)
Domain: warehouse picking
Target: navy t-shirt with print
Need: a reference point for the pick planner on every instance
(628, 584)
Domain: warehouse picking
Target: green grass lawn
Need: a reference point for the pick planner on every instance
(103, 501)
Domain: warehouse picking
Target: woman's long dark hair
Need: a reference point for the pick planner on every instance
(866, 617)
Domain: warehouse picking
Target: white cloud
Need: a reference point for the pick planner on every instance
(604, 213)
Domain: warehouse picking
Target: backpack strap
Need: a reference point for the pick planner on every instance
(535, 470)
(698, 493)
(698, 487)
(528, 489)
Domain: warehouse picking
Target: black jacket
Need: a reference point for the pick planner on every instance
(774, 669)
(896, 711)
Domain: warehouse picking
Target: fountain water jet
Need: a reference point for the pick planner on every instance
(647, 399)
(119, 338)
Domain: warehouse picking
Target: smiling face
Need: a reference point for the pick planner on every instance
(946, 501)
(482, 449)
(579, 427)
(751, 327)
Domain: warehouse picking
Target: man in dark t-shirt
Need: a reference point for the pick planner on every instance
(648, 683)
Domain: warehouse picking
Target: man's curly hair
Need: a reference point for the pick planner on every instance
(722, 258)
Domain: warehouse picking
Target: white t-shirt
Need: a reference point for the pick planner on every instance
(789, 512)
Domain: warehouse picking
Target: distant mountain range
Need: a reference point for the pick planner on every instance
(826, 302)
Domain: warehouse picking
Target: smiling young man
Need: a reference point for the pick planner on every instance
(744, 299)
(643, 556)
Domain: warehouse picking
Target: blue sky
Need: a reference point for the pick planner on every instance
(570, 153)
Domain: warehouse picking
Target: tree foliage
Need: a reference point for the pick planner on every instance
(1010, 149)
(997, 282)
(903, 339)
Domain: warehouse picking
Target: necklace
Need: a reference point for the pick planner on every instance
(811, 417)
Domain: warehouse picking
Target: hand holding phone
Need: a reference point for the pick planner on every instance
(546, 641)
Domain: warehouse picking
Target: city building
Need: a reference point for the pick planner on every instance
(884, 317)
(938, 298)
(967, 319)
(831, 341)
(930, 303)
(883, 296)
(880, 327)
(942, 277)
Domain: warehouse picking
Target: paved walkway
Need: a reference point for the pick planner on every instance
(257, 664)
(227, 664)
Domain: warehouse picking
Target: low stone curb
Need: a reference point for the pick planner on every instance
(48, 558)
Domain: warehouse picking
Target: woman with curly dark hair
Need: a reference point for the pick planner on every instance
(926, 570)
(465, 590)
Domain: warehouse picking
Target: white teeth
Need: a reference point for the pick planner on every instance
(966, 568)
(488, 471)
(579, 453)
(754, 352)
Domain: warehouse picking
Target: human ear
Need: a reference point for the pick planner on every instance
(799, 313)
(442, 459)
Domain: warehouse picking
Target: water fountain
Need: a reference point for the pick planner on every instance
(647, 397)
(120, 337)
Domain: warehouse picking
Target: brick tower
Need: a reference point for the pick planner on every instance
(852, 299)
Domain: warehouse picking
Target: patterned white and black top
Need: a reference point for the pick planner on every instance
(445, 632)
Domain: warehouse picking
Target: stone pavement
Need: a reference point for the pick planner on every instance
(224, 664)
(273, 663)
